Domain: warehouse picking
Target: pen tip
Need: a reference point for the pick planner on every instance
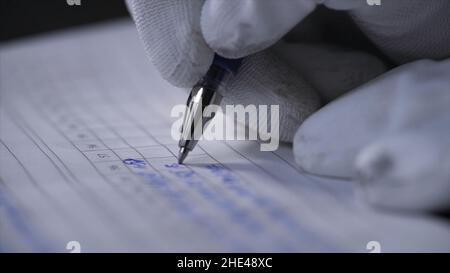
(182, 155)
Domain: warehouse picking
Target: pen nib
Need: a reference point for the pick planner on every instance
(182, 155)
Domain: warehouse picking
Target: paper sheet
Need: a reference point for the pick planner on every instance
(86, 156)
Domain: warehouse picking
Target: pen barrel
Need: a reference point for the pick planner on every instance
(230, 65)
(194, 119)
(219, 69)
(213, 78)
(205, 93)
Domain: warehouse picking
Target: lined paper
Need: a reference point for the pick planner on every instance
(86, 155)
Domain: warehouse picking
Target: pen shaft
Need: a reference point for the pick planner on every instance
(202, 95)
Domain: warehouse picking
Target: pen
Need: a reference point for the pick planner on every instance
(203, 93)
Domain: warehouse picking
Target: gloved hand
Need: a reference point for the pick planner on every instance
(392, 134)
(181, 37)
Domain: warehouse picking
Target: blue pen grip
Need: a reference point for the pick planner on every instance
(230, 65)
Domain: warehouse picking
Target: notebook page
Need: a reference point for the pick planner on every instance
(86, 155)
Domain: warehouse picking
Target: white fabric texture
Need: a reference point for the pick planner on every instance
(408, 30)
(352, 135)
(236, 28)
(405, 30)
(173, 31)
(392, 134)
(332, 71)
(408, 170)
(170, 31)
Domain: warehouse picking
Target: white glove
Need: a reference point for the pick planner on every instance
(181, 36)
(392, 134)
(350, 136)
(405, 30)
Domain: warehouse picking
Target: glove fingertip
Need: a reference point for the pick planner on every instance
(235, 29)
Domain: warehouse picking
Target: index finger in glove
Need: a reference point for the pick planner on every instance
(170, 31)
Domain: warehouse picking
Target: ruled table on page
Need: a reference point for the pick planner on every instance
(86, 155)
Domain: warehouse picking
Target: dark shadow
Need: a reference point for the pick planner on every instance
(19, 18)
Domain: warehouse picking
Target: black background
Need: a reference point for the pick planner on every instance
(21, 18)
(282, 262)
